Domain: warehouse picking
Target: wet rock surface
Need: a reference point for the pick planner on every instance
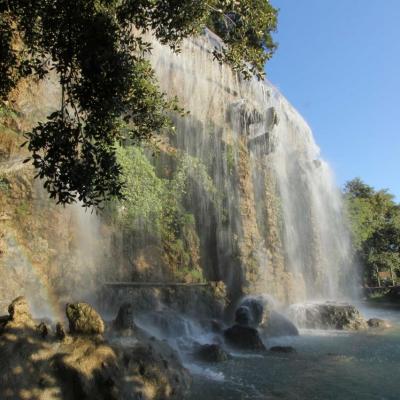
(124, 320)
(211, 353)
(243, 337)
(329, 315)
(60, 331)
(19, 311)
(257, 312)
(282, 349)
(253, 311)
(279, 325)
(84, 365)
(378, 323)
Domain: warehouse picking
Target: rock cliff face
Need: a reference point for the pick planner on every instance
(259, 210)
(277, 227)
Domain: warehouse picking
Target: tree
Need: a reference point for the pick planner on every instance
(375, 225)
(98, 51)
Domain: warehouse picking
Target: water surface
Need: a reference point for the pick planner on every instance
(328, 365)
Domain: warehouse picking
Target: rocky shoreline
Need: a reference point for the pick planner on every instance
(90, 361)
(119, 360)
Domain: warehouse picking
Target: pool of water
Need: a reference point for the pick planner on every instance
(327, 365)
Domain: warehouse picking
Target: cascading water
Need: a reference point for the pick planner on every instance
(277, 226)
(271, 223)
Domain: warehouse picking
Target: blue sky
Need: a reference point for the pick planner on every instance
(338, 63)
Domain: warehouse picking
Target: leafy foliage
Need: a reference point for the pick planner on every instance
(245, 26)
(375, 224)
(155, 206)
(144, 190)
(98, 50)
(154, 201)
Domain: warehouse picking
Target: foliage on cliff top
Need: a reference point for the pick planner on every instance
(98, 51)
(375, 225)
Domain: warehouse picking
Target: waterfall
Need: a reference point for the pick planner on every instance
(277, 227)
(266, 215)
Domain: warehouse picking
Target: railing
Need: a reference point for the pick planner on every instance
(118, 285)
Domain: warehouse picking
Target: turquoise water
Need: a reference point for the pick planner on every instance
(328, 365)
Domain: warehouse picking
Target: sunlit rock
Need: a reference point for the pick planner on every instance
(329, 315)
(20, 314)
(33, 366)
(84, 319)
(378, 323)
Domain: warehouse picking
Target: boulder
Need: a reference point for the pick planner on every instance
(19, 309)
(211, 353)
(43, 330)
(255, 309)
(84, 319)
(3, 321)
(20, 315)
(60, 332)
(279, 325)
(124, 320)
(328, 315)
(378, 323)
(283, 349)
(152, 371)
(243, 337)
(242, 315)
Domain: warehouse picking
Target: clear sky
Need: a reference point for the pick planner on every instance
(338, 63)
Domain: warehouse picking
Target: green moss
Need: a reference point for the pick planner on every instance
(230, 158)
(4, 185)
(190, 275)
(6, 113)
(23, 209)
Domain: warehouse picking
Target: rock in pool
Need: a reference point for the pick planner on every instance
(378, 323)
(211, 353)
(279, 325)
(283, 349)
(243, 337)
(328, 315)
(253, 311)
